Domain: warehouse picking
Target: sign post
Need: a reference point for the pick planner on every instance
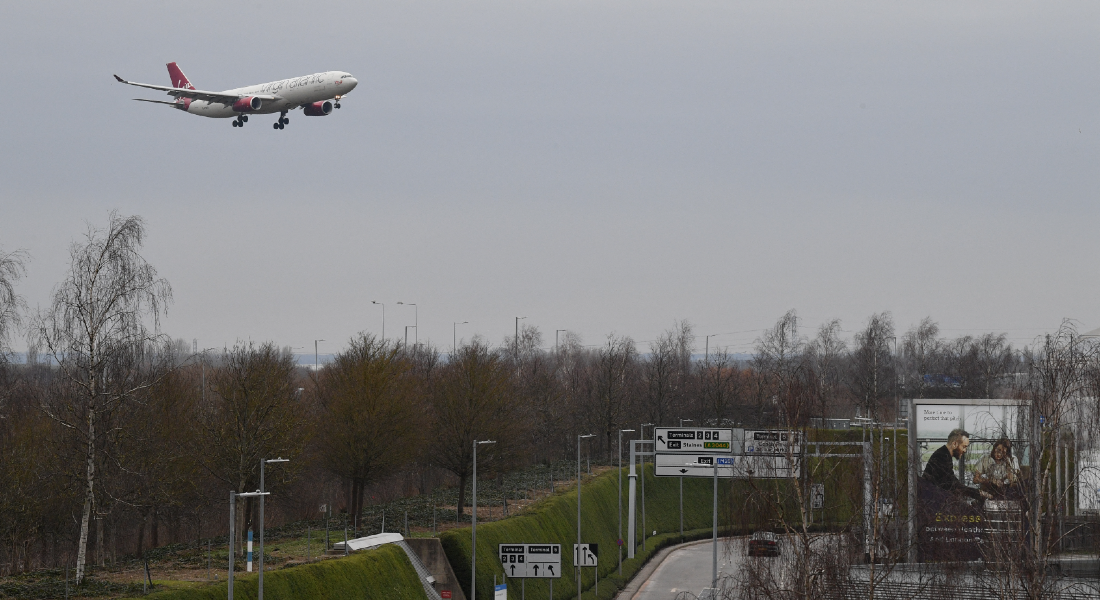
(587, 555)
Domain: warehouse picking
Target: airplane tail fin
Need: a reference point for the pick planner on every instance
(179, 80)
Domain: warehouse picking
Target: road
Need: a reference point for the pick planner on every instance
(688, 569)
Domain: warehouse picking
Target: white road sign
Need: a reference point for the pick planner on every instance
(539, 561)
(585, 555)
(693, 440)
(773, 443)
(695, 465)
(817, 496)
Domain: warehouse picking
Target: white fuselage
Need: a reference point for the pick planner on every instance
(290, 93)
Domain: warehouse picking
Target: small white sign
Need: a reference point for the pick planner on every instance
(694, 465)
(585, 555)
(501, 592)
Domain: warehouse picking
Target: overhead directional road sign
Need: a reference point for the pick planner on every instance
(695, 465)
(693, 440)
(533, 561)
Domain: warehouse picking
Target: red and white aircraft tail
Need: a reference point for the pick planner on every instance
(315, 94)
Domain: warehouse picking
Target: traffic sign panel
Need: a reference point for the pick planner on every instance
(585, 555)
(693, 441)
(694, 465)
(531, 560)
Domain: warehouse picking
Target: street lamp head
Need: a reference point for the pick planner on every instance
(627, 430)
(647, 424)
(277, 460)
(587, 435)
(487, 441)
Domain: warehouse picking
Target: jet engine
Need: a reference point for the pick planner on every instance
(248, 104)
(318, 109)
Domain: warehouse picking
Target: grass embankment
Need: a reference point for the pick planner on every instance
(382, 573)
(555, 521)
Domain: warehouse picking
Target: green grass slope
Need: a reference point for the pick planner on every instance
(555, 521)
(382, 573)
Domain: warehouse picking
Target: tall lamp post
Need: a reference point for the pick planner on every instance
(232, 533)
(682, 491)
(316, 362)
(642, 429)
(454, 348)
(556, 332)
(516, 341)
(260, 595)
(416, 321)
(620, 542)
(407, 336)
(473, 533)
(714, 549)
(383, 305)
(579, 438)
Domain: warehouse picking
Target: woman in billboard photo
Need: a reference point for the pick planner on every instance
(999, 470)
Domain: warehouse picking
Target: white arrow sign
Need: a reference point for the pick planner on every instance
(693, 441)
(585, 555)
(541, 561)
(695, 465)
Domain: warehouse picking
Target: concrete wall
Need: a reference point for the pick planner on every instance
(431, 554)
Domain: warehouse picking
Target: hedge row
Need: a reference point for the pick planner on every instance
(382, 573)
(555, 521)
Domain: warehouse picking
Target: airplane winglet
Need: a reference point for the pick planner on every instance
(121, 80)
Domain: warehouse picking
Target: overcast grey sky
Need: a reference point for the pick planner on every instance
(595, 166)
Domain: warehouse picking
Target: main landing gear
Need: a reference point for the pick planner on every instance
(281, 123)
(240, 121)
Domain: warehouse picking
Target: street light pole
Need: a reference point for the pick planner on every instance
(620, 542)
(454, 348)
(578, 569)
(473, 533)
(407, 336)
(642, 428)
(383, 317)
(714, 541)
(260, 595)
(416, 321)
(316, 363)
(516, 341)
(232, 533)
(682, 491)
(556, 332)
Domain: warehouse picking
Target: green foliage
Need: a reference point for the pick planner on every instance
(48, 583)
(382, 573)
(555, 521)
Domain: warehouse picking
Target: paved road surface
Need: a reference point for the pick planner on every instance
(688, 569)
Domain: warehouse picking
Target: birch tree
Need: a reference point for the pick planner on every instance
(99, 331)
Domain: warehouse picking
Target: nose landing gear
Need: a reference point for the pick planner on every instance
(337, 103)
(281, 123)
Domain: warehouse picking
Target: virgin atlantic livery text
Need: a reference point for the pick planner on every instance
(315, 94)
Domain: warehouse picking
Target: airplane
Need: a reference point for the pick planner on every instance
(315, 94)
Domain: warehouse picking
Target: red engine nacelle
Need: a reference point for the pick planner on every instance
(248, 104)
(318, 109)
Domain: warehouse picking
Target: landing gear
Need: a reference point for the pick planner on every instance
(240, 120)
(281, 123)
(337, 103)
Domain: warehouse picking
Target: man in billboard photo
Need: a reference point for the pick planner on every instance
(940, 470)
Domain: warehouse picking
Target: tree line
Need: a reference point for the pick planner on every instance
(115, 438)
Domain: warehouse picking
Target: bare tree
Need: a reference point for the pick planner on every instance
(254, 412)
(370, 402)
(780, 365)
(873, 379)
(12, 268)
(103, 320)
(473, 399)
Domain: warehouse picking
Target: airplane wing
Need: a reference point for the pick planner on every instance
(158, 102)
(196, 94)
